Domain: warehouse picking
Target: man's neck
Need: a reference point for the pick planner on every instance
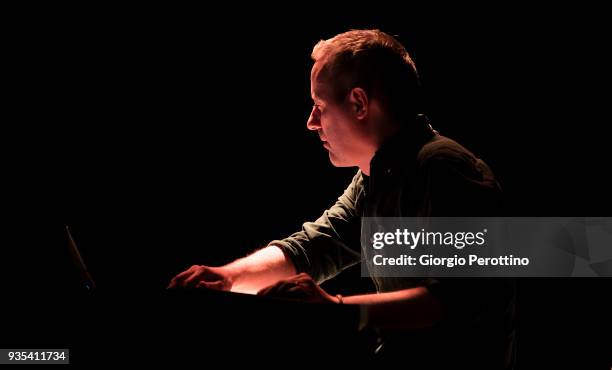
(385, 132)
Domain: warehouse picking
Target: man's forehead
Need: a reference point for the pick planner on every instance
(317, 87)
(315, 90)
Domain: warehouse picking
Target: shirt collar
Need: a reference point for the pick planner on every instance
(402, 147)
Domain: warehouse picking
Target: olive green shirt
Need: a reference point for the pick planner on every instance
(416, 174)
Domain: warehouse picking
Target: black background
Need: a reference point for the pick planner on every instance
(172, 137)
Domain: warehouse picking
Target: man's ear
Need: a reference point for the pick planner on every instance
(359, 102)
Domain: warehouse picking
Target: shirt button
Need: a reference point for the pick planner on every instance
(388, 172)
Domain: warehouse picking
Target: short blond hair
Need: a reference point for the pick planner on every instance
(374, 61)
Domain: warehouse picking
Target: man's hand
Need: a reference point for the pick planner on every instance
(300, 287)
(203, 277)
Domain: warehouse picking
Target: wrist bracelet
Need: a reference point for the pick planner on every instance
(339, 296)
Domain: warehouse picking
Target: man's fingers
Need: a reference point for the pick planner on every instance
(304, 278)
(296, 292)
(267, 290)
(215, 285)
(301, 287)
(202, 274)
(177, 281)
(263, 291)
(309, 283)
(282, 287)
(279, 288)
(192, 280)
(272, 289)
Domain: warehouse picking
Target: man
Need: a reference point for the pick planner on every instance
(366, 95)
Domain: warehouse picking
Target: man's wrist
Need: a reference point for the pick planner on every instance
(231, 272)
(339, 299)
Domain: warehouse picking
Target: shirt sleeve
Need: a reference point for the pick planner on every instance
(325, 247)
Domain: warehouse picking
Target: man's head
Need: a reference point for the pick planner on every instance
(364, 86)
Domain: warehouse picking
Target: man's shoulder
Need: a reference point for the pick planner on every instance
(444, 156)
(442, 148)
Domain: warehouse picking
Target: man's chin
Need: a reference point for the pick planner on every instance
(337, 162)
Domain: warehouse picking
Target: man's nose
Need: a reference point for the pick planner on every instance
(313, 121)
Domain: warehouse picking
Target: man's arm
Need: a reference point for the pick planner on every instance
(414, 308)
(322, 248)
(260, 269)
(330, 244)
(246, 275)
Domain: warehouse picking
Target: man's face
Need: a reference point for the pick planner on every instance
(343, 135)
